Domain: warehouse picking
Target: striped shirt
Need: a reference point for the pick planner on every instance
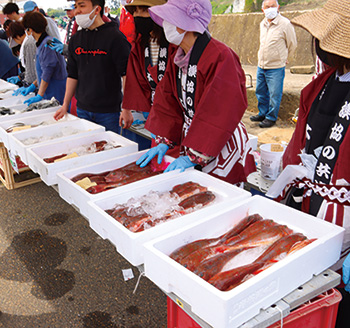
(154, 49)
(29, 55)
(343, 78)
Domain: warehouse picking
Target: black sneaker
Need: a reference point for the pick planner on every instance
(267, 123)
(257, 118)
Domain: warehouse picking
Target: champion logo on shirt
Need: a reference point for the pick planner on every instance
(81, 51)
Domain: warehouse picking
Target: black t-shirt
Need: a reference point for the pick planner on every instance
(98, 59)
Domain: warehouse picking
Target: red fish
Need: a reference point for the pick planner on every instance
(242, 225)
(301, 245)
(202, 198)
(50, 160)
(214, 265)
(192, 261)
(189, 248)
(251, 230)
(282, 245)
(265, 237)
(230, 279)
(187, 189)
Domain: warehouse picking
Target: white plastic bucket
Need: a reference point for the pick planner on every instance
(271, 161)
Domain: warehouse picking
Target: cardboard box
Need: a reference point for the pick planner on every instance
(48, 172)
(130, 244)
(234, 307)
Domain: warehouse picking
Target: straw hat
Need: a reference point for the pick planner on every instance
(330, 25)
(145, 3)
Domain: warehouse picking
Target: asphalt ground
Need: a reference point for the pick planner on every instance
(56, 272)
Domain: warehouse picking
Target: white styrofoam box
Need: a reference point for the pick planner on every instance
(130, 244)
(4, 85)
(35, 112)
(6, 95)
(77, 196)
(48, 172)
(15, 100)
(234, 307)
(36, 117)
(17, 146)
(253, 140)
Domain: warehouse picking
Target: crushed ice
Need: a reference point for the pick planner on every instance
(156, 204)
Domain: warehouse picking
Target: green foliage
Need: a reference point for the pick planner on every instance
(55, 12)
(115, 12)
(219, 7)
(252, 5)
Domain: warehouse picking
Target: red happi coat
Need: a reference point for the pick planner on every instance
(331, 210)
(137, 93)
(220, 102)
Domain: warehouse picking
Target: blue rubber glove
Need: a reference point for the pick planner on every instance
(182, 163)
(159, 150)
(18, 91)
(137, 122)
(56, 45)
(13, 79)
(145, 114)
(346, 273)
(27, 91)
(153, 136)
(33, 100)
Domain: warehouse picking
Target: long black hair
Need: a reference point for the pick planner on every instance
(157, 31)
(329, 58)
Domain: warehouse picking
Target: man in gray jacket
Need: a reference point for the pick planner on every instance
(277, 42)
(51, 29)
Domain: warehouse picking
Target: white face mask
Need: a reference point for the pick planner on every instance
(171, 34)
(271, 13)
(84, 20)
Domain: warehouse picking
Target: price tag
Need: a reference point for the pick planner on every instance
(276, 148)
(127, 274)
(13, 161)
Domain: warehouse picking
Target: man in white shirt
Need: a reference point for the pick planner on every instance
(11, 11)
(277, 42)
(51, 29)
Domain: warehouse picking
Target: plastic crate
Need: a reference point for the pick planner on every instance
(177, 318)
(320, 312)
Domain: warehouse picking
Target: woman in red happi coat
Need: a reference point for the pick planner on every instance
(202, 98)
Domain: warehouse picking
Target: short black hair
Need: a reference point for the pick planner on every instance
(100, 3)
(10, 8)
(36, 21)
(16, 29)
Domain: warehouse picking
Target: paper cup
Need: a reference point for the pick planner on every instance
(271, 160)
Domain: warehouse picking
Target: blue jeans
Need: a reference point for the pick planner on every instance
(109, 120)
(269, 90)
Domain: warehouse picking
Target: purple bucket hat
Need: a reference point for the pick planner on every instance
(189, 15)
